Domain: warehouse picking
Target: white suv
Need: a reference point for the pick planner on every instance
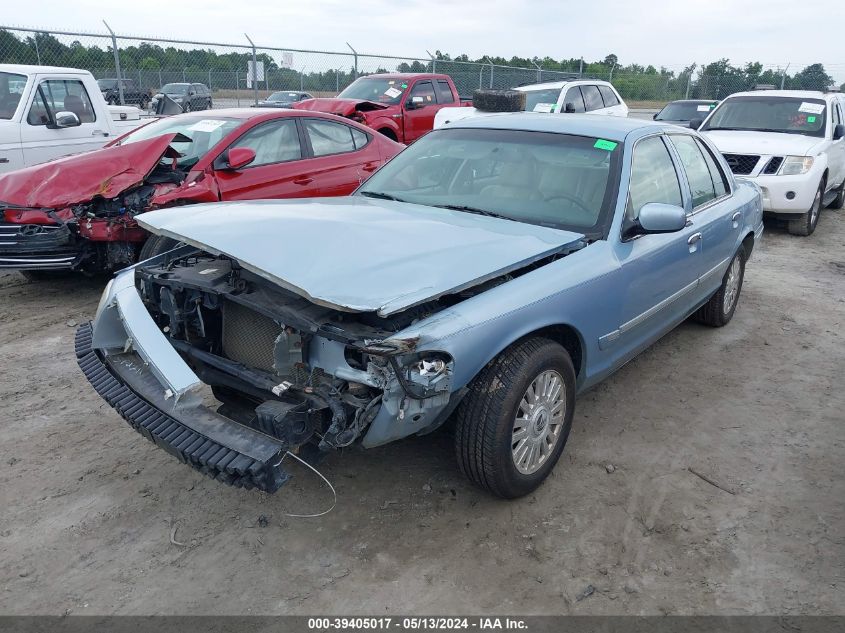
(791, 143)
(578, 95)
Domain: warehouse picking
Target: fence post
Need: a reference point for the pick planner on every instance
(159, 79)
(610, 80)
(116, 63)
(581, 69)
(37, 51)
(302, 80)
(355, 53)
(433, 62)
(539, 71)
(491, 74)
(254, 70)
(209, 80)
(783, 77)
(689, 82)
(237, 88)
(336, 81)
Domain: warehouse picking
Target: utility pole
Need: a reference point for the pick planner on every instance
(254, 70)
(116, 63)
(355, 53)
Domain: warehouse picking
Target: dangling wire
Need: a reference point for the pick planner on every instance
(321, 476)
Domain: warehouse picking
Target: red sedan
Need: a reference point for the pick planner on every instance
(78, 212)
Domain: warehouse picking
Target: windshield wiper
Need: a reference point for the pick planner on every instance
(476, 210)
(380, 195)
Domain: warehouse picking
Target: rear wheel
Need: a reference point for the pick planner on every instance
(719, 310)
(806, 224)
(388, 133)
(513, 424)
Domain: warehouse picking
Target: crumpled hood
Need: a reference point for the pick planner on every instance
(359, 254)
(343, 107)
(764, 143)
(77, 179)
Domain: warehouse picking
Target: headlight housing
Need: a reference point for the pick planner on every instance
(796, 165)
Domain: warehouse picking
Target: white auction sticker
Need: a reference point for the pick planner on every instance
(206, 125)
(392, 92)
(544, 107)
(811, 108)
(704, 108)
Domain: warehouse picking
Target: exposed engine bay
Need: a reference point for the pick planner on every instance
(300, 372)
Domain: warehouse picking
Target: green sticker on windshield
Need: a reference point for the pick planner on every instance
(603, 144)
(404, 85)
(811, 119)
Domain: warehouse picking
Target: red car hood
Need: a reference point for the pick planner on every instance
(343, 107)
(77, 179)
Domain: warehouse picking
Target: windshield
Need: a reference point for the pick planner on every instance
(376, 89)
(11, 89)
(789, 115)
(202, 133)
(175, 89)
(107, 84)
(685, 111)
(541, 100)
(283, 96)
(554, 180)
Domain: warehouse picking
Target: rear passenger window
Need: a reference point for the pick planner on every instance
(444, 92)
(329, 138)
(698, 174)
(573, 96)
(359, 138)
(608, 96)
(592, 98)
(720, 181)
(653, 177)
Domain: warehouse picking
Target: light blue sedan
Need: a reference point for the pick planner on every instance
(487, 274)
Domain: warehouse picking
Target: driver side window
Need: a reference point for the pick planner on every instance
(653, 177)
(422, 94)
(274, 142)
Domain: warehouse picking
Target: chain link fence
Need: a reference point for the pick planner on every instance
(151, 63)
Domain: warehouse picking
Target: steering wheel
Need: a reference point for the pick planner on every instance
(575, 200)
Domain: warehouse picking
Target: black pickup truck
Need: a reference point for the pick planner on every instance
(132, 95)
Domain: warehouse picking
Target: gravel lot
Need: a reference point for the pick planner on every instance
(96, 520)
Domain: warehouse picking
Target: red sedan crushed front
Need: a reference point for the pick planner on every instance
(79, 212)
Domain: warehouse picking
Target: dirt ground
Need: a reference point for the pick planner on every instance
(90, 511)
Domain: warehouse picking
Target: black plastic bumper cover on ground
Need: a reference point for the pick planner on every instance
(210, 458)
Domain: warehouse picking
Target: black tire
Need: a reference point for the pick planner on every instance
(498, 100)
(839, 200)
(386, 131)
(715, 313)
(156, 245)
(210, 106)
(484, 421)
(806, 224)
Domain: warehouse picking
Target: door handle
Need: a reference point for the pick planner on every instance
(302, 180)
(99, 133)
(369, 167)
(694, 238)
(735, 219)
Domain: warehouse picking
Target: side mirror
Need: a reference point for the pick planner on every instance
(239, 157)
(411, 105)
(569, 107)
(838, 131)
(696, 123)
(67, 119)
(656, 217)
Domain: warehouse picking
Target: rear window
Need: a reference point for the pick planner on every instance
(608, 96)
(592, 98)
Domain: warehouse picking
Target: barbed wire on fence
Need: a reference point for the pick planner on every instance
(152, 62)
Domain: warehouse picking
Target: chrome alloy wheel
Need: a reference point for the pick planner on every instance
(539, 422)
(732, 285)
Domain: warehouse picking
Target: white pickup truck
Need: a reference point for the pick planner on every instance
(576, 95)
(48, 112)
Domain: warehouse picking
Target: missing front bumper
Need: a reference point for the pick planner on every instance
(217, 447)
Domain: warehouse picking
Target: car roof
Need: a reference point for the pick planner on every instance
(253, 113)
(800, 94)
(28, 69)
(595, 125)
(693, 101)
(561, 84)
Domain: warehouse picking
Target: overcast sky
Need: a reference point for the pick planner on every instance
(673, 34)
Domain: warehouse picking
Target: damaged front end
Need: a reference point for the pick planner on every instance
(229, 372)
(79, 213)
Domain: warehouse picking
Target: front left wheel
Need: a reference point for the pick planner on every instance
(513, 424)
